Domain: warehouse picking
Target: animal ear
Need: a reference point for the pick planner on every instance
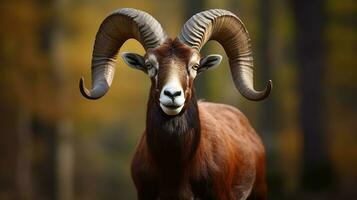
(134, 60)
(209, 62)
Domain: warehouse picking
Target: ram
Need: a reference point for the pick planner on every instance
(190, 149)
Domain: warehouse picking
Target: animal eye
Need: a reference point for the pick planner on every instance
(148, 65)
(195, 67)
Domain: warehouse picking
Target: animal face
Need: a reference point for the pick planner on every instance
(172, 68)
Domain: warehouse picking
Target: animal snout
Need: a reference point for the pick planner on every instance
(172, 93)
(172, 98)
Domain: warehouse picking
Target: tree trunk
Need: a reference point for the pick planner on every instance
(24, 155)
(64, 151)
(309, 16)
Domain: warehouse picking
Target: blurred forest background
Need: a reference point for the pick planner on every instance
(56, 145)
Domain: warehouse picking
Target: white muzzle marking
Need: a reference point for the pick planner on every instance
(172, 98)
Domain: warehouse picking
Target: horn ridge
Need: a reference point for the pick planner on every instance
(227, 29)
(116, 28)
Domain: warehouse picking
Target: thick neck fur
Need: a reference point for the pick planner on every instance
(172, 140)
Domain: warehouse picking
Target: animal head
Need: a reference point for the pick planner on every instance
(172, 65)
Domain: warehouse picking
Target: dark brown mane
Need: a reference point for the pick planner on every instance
(172, 143)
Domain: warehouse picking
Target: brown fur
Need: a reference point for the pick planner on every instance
(208, 151)
(172, 50)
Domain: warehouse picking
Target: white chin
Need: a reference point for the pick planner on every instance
(171, 111)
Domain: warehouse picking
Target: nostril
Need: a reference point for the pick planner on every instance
(172, 94)
(178, 93)
(168, 93)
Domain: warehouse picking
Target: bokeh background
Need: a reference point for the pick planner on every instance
(56, 145)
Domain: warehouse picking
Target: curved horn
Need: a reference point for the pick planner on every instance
(227, 29)
(118, 27)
